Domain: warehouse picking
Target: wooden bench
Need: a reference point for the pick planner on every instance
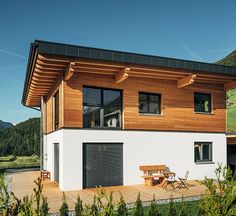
(150, 172)
(45, 174)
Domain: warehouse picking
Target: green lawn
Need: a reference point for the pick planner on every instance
(231, 118)
(19, 162)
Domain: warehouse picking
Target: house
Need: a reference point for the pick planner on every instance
(105, 113)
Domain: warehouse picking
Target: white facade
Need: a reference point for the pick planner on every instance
(174, 149)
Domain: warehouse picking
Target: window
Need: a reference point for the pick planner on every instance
(149, 103)
(56, 111)
(202, 102)
(101, 108)
(202, 151)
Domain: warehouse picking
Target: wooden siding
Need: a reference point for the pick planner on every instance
(49, 109)
(177, 104)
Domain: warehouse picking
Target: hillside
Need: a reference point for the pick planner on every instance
(230, 60)
(22, 139)
(4, 125)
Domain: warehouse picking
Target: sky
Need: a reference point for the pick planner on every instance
(200, 30)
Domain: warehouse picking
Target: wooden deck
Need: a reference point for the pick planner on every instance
(23, 184)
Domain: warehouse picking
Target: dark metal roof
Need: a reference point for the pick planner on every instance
(52, 48)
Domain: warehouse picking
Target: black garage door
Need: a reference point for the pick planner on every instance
(102, 164)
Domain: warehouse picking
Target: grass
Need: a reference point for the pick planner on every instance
(231, 118)
(18, 162)
(192, 208)
(231, 111)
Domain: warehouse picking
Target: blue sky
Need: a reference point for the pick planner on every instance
(187, 29)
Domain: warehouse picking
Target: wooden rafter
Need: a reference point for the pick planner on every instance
(122, 75)
(69, 72)
(188, 80)
(230, 85)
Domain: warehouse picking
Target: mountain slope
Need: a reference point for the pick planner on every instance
(4, 125)
(22, 139)
(230, 60)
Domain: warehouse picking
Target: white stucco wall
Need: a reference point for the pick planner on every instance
(174, 149)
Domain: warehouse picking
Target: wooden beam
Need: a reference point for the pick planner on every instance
(230, 85)
(188, 80)
(69, 72)
(122, 75)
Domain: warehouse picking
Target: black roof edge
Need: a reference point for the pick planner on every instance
(61, 49)
(32, 51)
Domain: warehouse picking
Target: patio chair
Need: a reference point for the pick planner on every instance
(169, 180)
(183, 180)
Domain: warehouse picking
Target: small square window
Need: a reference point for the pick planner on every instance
(149, 103)
(202, 103)
(203, 152)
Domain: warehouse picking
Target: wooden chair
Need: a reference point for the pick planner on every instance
(45, 174)
(183, 180)
(169, 180)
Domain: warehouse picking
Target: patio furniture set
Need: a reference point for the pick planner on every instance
(160, 174)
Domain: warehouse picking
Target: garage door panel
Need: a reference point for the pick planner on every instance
(103, 164)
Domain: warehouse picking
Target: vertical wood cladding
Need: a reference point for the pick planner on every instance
(177, 104)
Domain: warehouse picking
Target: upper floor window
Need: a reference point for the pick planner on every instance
(149, 103)
(202, 102)
(101, 108)
(202, 151)
(56, 111)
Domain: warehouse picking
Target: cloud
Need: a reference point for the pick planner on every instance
(13, 54)
(193, 54)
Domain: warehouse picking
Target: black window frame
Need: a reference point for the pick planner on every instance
(148, 103)
(201, 99)
(56, 110)
(102, 106)
(210, 149)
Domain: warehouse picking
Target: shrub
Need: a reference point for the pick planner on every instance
(26, 207)
(78, 207)
(108, 209)
(220, 197)
(64, 210)
(183, 209)
(93, 210)
(44, 210)
(172, 208)
(153, 208)
(138, 211)
(122, 208)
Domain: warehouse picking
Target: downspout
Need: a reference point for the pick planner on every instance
(41, 135)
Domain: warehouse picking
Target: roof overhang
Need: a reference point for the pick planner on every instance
(49, 62)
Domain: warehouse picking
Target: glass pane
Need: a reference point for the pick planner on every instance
(197, 105)
(91, 96)
(91, 117)
(111, 98)
(143, 108)
(154, 98)
(197, 148)
(154, 104)
(205, 152)
(154, 107)
(202, 102)
(112, 117)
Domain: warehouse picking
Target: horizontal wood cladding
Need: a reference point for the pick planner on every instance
(177, 103)
(49, 109)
